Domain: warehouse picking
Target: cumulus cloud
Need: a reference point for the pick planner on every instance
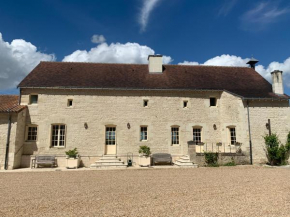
(147, 8)
(17, 59)
(262, 15)
(97, 39)
(115, 53)
(232, 60)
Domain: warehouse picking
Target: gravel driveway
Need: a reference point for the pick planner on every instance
(224, 191)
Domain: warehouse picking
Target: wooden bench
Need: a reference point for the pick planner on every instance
(43, 160)
(161, 158)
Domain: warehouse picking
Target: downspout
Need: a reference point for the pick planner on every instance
(8, 141)
(250, 137)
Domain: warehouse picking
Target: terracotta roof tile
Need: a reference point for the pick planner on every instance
(242, 81)
(10, 102)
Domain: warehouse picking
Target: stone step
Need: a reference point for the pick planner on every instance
(183, 161)
(186, 165)
(108, 167)
(109, 163)
(109, 160)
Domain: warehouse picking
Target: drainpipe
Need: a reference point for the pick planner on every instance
(250, 137)
(8, 141)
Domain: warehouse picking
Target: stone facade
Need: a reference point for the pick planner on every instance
(18, 122)
(121, 108)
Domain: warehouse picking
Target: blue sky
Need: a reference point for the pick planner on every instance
(211, 32)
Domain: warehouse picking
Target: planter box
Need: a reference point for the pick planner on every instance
(72, 163)
(144, 161)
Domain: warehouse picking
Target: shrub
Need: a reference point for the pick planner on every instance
(231, 163)
(72, 153)
(277, 153)
(211, 159)
(144, 150)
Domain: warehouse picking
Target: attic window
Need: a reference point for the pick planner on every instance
(185, 102)
(69, 103)
(145, 103)
(212, 101)
(33, 99)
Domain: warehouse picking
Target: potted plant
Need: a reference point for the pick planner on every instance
(72, 159)
(144, 157)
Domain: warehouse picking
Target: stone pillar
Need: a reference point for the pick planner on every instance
(192, 151)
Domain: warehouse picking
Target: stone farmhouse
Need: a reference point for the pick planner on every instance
(112, 109)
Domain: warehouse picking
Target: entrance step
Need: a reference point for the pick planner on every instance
(108, 161)
(184, 161)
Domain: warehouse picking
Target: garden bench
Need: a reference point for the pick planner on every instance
(43, 160)
(161, 158)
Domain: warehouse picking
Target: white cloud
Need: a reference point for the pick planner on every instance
(232, 60)
(147, 8)
(97, 39)
(227, 7)
(262, 15)
(17, 59)
(115, 53)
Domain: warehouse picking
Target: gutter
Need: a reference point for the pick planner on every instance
(250, 137)
(157, 89)
(8, 138)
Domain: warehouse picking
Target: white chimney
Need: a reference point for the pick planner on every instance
(277, 82)
(155, 63)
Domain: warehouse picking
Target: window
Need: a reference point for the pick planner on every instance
(69, 103)
(197, 135)
(185, 104)
(31, 133)
(175, 135)
(212, 101)
(110, 135)
(145, 103)
(58, 135)
(233, 135)
(33, 99)
(143, 133)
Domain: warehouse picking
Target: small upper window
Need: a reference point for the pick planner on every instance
(212, 101)
(69, 103)
(145, 103)
(33, 99)
(185, 103)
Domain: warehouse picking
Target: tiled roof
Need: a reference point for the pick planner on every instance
(10, 102)
(243, 81)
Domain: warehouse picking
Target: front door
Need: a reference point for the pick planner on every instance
(110, 140)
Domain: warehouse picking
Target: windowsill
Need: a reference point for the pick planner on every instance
(33, 104)
(175, 145)
(143, 140)
(69, 107)
(58, 147)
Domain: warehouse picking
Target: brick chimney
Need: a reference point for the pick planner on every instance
(277, 82)
(155, 63)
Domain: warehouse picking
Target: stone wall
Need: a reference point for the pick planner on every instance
(100, 108)
(16, 138)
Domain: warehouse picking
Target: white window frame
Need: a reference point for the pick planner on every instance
(177, 140)
(109, 141)
(197, 128)
(27, 132)
(58, 136)
(146, 133)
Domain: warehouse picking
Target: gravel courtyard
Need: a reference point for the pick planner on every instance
(224, 191)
